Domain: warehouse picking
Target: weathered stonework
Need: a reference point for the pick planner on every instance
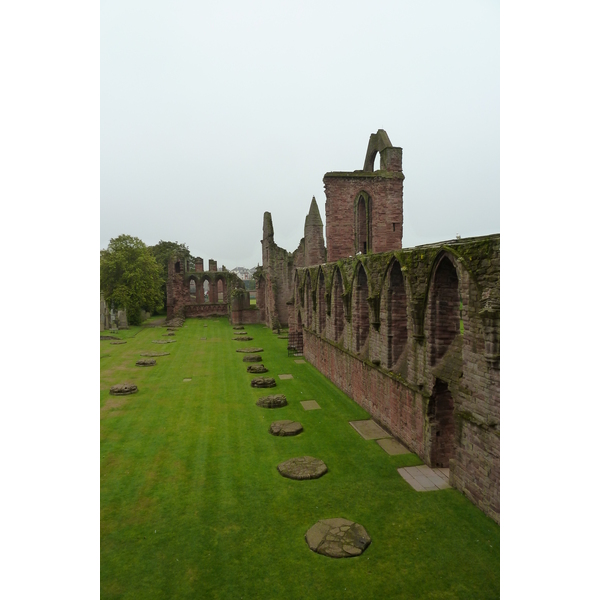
(275, 280)
(412, 335)
(226, 295)
(394, 337)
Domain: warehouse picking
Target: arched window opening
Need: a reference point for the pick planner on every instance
(397, 321)
(337, 308)
(440, 413)
(206, 288)
(308, 303)
(444, 309)
(321, 303)
(362, 224)
(360, 310)
(220, 290)
(177, 267)
(192, 288)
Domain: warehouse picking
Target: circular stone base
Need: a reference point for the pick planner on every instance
(123, 389)
(253, 358)
(249, 350)
(108, 337)
(285, 428)
(118, 343)
(154, 353)
(238, 327)
(338, 538)
(168, 334)
(146, 362)
(244, 338)
(257, 369)
(275, 401)
(302, 467)
(263, 382)
(163, 341)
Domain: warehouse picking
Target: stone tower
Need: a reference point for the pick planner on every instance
(363, 210)
(314, 244)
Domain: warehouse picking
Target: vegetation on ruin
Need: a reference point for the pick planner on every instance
(192, 505)
(130, 277)
(163, 252)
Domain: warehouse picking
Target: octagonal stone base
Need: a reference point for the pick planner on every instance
(285, 428)
(123, 389)
(274, 401)
(302, 467)
(338, 538)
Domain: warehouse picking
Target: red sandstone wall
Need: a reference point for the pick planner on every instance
(400, 398)
(386, 201)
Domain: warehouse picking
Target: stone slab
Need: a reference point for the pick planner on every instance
(300, 362)
(310, 405)
(337, 538)
(369, 430)
(187, 379)
(424, 478)
(392, 446)
(286, 376)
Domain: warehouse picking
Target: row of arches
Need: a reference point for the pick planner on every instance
(207, 291)
(349, 316)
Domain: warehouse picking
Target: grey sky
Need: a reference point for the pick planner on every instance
(212, 113)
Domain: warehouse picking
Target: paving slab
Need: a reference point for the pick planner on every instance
(369, 430)
(310, 405)
(424, 478)
(187, 379)
(286, 376)
(393, 447)
(300, 362)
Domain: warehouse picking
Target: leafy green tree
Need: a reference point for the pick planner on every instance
(163, 252)
(130, 277)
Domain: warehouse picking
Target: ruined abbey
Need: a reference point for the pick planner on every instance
(412, 335)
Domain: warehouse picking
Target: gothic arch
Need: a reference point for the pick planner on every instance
(394, 314)
(360, 309)
(443, 306)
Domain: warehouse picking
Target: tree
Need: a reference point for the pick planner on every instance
(130, 277)
(163, 252)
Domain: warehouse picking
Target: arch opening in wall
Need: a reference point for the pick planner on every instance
(395, 314)
(206, 291)
(177, 267)
(308, 302)
(221, 290)
(360, 310)
(362, 223)
(193, 288)
(440, 413)
(444, 309)
(337, 305)
(322, 308)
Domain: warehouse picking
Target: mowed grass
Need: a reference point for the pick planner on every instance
(192, 505)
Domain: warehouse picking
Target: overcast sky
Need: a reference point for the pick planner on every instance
(213, 113)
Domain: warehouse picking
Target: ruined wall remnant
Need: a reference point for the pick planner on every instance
(412, 335)
(363, 209)
(275, 281)
(193, 292)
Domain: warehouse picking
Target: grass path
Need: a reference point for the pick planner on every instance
(192, 505)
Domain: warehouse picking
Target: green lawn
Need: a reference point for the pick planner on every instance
(192, 505)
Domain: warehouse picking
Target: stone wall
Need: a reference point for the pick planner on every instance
(364, 209)
(413, 336)
(183, 302)
(275, 280)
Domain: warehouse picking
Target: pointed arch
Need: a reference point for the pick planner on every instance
(308, 303)
(360, 309)
(443, 307)
(363, 210)
(321, 306)
(394, 316)
(337, 304)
